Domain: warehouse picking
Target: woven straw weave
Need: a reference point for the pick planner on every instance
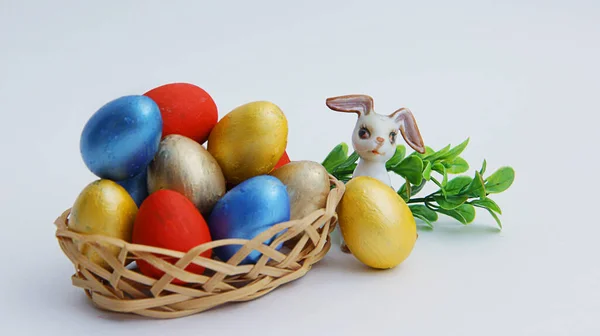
(126, 290)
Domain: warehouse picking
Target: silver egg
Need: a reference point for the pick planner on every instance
(307, 183)
(183, 165)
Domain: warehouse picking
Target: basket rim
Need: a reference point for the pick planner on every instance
(124, 290)
(62, 229)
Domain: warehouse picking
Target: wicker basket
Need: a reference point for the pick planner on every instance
(126, 290)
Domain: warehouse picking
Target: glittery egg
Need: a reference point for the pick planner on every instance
(169, 220)
(121, 138)
(249, 140)
(183, 165)
(307, 184)
(137, 186)
(186, 110)
(377, 225)
(247, 210)
(103, 207)
(285, 159)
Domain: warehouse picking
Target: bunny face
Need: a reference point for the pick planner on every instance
(374, 137)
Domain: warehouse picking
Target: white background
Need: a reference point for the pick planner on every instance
(520, 78)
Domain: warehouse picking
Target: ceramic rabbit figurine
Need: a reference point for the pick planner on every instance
(374, 135)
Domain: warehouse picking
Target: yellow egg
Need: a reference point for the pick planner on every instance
(307, 184)
(249, 140)
(376, 224)
(105, 208)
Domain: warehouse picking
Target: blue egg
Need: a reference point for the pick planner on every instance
(137, 187)
(247, 210)
(122, 137)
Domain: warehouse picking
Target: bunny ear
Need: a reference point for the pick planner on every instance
(360, 104)
(409, 129)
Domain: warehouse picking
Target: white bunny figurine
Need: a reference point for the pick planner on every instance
(374, 136)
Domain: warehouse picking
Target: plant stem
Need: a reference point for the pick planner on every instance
(418, 200)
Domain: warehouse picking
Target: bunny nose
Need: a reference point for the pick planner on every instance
(379, 139)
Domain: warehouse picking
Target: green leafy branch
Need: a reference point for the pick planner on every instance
(456, 197)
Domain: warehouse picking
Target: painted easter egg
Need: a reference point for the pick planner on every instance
(247, 210)
(169, 220)
(137, 186)
(307, 184)
(377, 225)
(249, 140)
(105, 208)
(121, 138)
(186, 109)
(181, 164)
(285, 159)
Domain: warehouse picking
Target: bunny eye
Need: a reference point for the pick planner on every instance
(364, 133)
(393, 137)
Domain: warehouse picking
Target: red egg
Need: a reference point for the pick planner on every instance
(282, 161)
(186, 109)
(167, 219)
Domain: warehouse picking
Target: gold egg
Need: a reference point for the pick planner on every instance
(103, 207)
(377, 225)
(183, 165)
(307, 184)
(249, 140)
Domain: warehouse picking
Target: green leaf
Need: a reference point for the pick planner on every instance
(442, 188)
(416, 189)
(445, 180)
(464, 213)
(428, 151)
(501, 180)
(456, 151)
(438, 167)
(437, 155)
(450, 202)
(483, 167)
(424, 211)
(427, 171)
(337, 155)
(405, 191)
(487, 203)
(410, 168)
(344, 171)
(495, 218)
(456, 166)
(398, 156)
(343, 177)
(425, 220)
(457, 184)
(476, 187)
(425, 214)
(348, 163)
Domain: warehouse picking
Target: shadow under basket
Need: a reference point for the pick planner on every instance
(123, 288)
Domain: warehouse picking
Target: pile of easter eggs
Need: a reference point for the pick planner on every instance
(172, 175)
